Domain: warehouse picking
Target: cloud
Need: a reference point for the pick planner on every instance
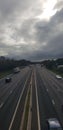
(49, 36)
(59, 5)
(25, 34)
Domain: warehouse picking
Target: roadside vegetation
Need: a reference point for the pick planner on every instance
(4, 73)
(7, 65)
(58, 72)
(55, 65)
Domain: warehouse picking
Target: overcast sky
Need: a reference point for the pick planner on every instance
(31, 29)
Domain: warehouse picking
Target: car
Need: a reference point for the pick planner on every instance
(53, 124)
(8, 79)
(16, 70)
(58, 77)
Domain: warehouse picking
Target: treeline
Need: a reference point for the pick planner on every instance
(54, 64)
(8, 64)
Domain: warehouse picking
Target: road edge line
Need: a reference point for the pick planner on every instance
(30, 107)
(22, 121)
(12, 120)
(39, 127)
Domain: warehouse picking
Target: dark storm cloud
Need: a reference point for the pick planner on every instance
(47, 30)
(26, 31)
(9, 7)
(49, 36)
(24, 35)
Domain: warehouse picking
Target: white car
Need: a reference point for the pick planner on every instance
(16, 70)
(58, 77)
(53, 124)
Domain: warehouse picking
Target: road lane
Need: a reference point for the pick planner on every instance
(7, 111)
(34, 116)
(46, 106)
(49, 98)
(4, 85)
(54, 94)
(10, 87)
(52, 76)
(17, 117)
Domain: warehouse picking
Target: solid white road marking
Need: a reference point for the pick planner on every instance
(53, 101)
(47, 89)
(22, 121)
(39, 127)
(10, 127)
(1, 105)
(30, 106)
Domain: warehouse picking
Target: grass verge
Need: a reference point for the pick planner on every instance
(3, 74)
(56, 72)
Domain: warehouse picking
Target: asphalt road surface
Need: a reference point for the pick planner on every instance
(9, 96)
(34, 120)
(13, 96)
(50, 95)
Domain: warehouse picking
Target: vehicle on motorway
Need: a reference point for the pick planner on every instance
(42, 65)
(58, 77)
(16, 70)
(8, 79)
(53, 124)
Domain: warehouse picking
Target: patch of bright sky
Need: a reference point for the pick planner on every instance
(48, 10)
(2, 53)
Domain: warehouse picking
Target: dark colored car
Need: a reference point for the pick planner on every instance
(8, 79)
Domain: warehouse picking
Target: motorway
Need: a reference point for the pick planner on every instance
(34, 119)
(9, 96)
(47, 98)
(50, 95)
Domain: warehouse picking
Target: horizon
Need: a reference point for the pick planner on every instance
(1, 57)
(31, 30)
